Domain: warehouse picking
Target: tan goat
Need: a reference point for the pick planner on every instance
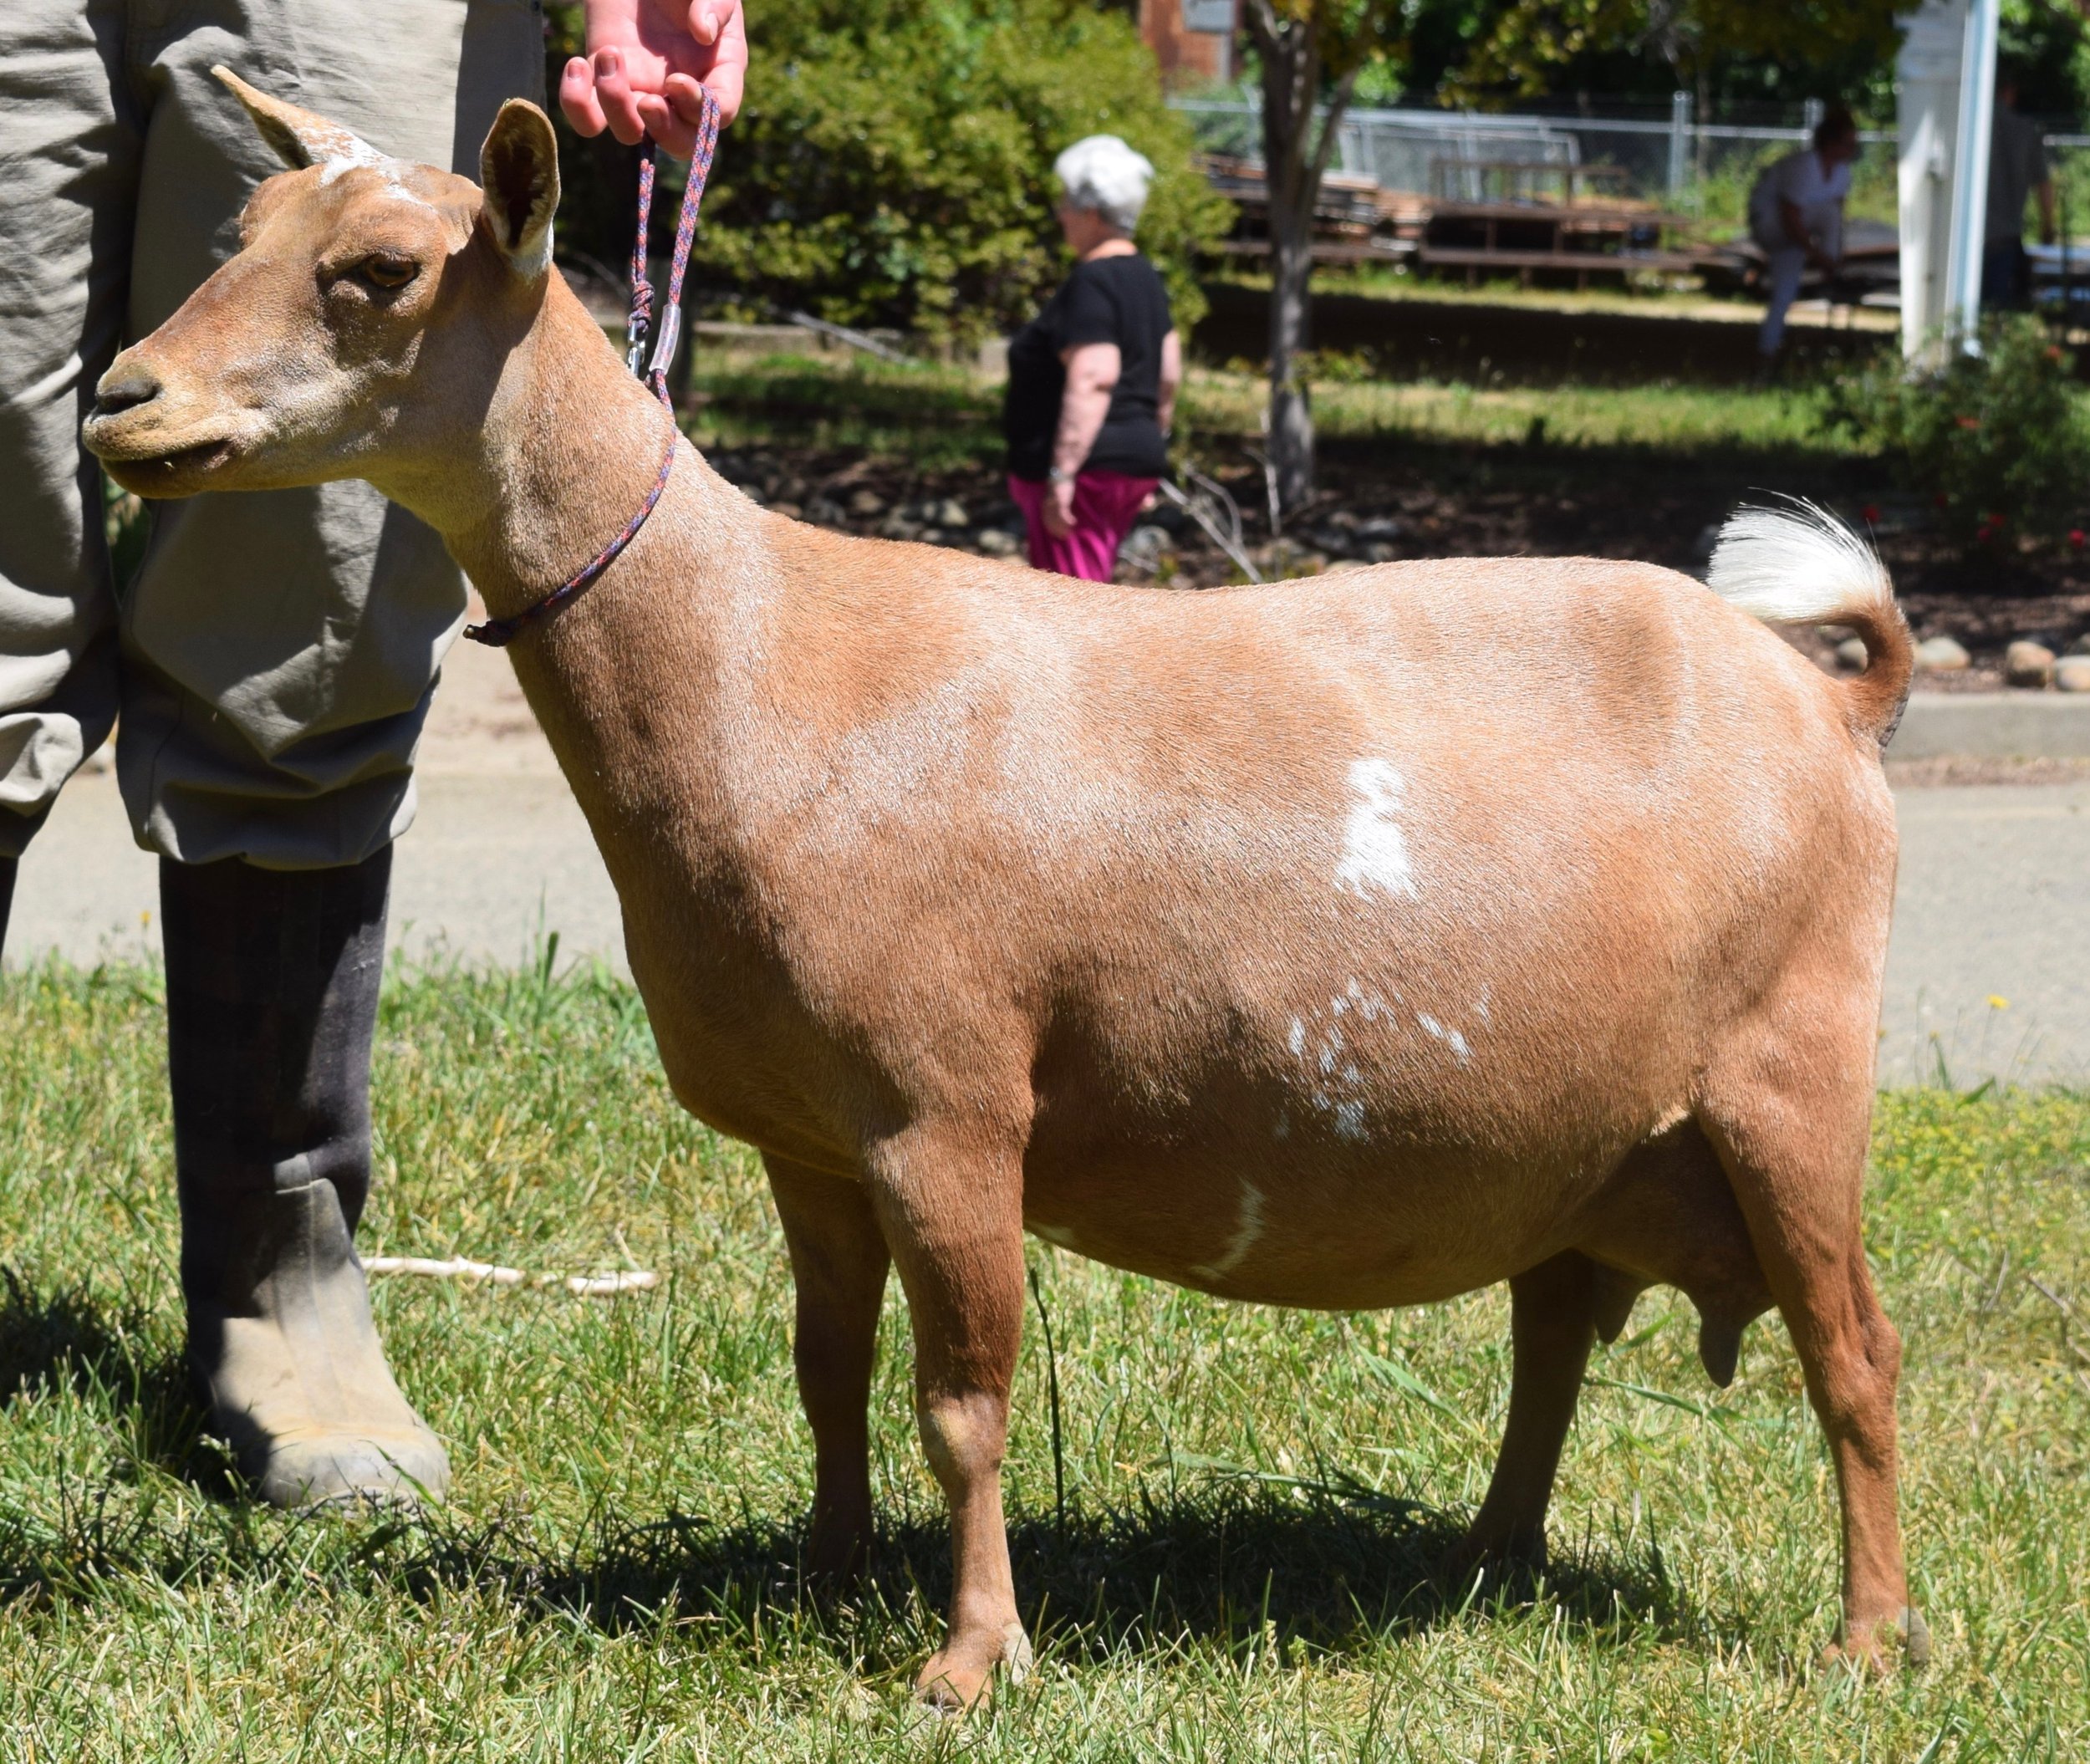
(1345, 944)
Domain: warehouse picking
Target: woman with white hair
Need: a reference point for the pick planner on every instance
(1092, 378)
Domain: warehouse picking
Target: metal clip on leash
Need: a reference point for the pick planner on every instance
(651, 368)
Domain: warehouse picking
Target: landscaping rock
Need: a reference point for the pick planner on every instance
(997, 543)
(791, 511)
(1940, 655)
(895, 526)
(2072, 674)
(1146, 545)
(865, 503)
(824, 512)
(1851, 652)
(951, 512)
(2026, 664)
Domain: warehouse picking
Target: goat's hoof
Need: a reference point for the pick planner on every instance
(1871, 1651)
(1520, 1550)
(836, 1559)
(958, 1677)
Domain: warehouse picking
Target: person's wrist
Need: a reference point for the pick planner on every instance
(1060, 475)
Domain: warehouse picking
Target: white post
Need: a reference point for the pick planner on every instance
(1680, 144)
(1969, 193)
(1927, 90)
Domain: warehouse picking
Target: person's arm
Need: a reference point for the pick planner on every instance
(1092, 376)
(1171, 379)
(645, 61)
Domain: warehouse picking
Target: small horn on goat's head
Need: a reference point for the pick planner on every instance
(300, 138)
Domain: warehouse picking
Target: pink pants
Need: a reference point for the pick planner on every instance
(1106, 504)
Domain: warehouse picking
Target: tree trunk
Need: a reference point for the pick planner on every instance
(1294, 156)
(1290, 437)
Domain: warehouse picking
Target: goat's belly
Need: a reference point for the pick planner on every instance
(1352, 1227)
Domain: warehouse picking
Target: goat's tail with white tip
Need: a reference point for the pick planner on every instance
(1800, 565)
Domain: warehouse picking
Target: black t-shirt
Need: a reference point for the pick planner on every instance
(1118, 300)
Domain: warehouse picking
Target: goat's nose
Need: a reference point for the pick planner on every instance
(124, 385)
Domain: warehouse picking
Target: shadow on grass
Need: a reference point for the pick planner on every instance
(65, 1340)
(1220, 1562)
(1223, 1566)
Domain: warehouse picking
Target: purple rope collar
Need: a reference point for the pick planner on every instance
(652, 370)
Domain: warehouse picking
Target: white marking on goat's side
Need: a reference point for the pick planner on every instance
(1349, 1120)
(1246, 1230)
(1058, 1234)
(1462, 1050)
(1374, 849)
(1297, 1040)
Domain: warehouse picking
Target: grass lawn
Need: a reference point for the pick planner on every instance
(1253, 1498)
(945, 416)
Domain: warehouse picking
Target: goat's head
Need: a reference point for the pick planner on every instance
(367, 314)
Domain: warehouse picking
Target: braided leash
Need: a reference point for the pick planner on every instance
(651, 369)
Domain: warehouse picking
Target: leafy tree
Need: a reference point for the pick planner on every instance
(1530, 41)
(893, 164)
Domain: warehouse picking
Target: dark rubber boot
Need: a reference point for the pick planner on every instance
(272, 1003)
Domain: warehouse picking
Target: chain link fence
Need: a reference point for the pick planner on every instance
(1702, 172)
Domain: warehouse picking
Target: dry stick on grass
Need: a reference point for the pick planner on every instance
(582, 1286)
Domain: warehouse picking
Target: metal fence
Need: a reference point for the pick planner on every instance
(1702, 168)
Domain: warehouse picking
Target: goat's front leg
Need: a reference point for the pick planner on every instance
(953, 1221)
(1552, 1326)
(837, 1265)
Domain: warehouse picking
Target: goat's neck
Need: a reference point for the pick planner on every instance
(625, 679)
(570, 445)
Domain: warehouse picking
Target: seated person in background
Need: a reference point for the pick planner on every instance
(1092, 378)
(1796, 214)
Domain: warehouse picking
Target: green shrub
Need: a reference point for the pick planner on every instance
(1996, 442)
(892, 166)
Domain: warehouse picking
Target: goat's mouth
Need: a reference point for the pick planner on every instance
(147, 466)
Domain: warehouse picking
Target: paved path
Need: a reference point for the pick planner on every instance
(1989, 969)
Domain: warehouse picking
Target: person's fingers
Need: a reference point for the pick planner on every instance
(728, 74)
(577, 98)
(619, 105)
(675, 134)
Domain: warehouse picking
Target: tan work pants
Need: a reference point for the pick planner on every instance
(274, 659)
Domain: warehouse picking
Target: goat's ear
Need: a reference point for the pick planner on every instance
(518, 170)
(299, 138)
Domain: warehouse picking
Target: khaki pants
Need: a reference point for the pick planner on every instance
(274, 660)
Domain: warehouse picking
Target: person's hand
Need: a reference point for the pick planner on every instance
(645, 61)
(1058, 509)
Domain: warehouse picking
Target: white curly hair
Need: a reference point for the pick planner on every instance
(1100, 172)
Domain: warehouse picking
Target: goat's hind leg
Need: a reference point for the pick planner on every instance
(839, 1263)
(1789, 1114)
(1554, 1311)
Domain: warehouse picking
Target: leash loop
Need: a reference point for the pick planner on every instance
(648, 356)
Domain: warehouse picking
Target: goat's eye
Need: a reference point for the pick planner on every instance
(387, 272)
